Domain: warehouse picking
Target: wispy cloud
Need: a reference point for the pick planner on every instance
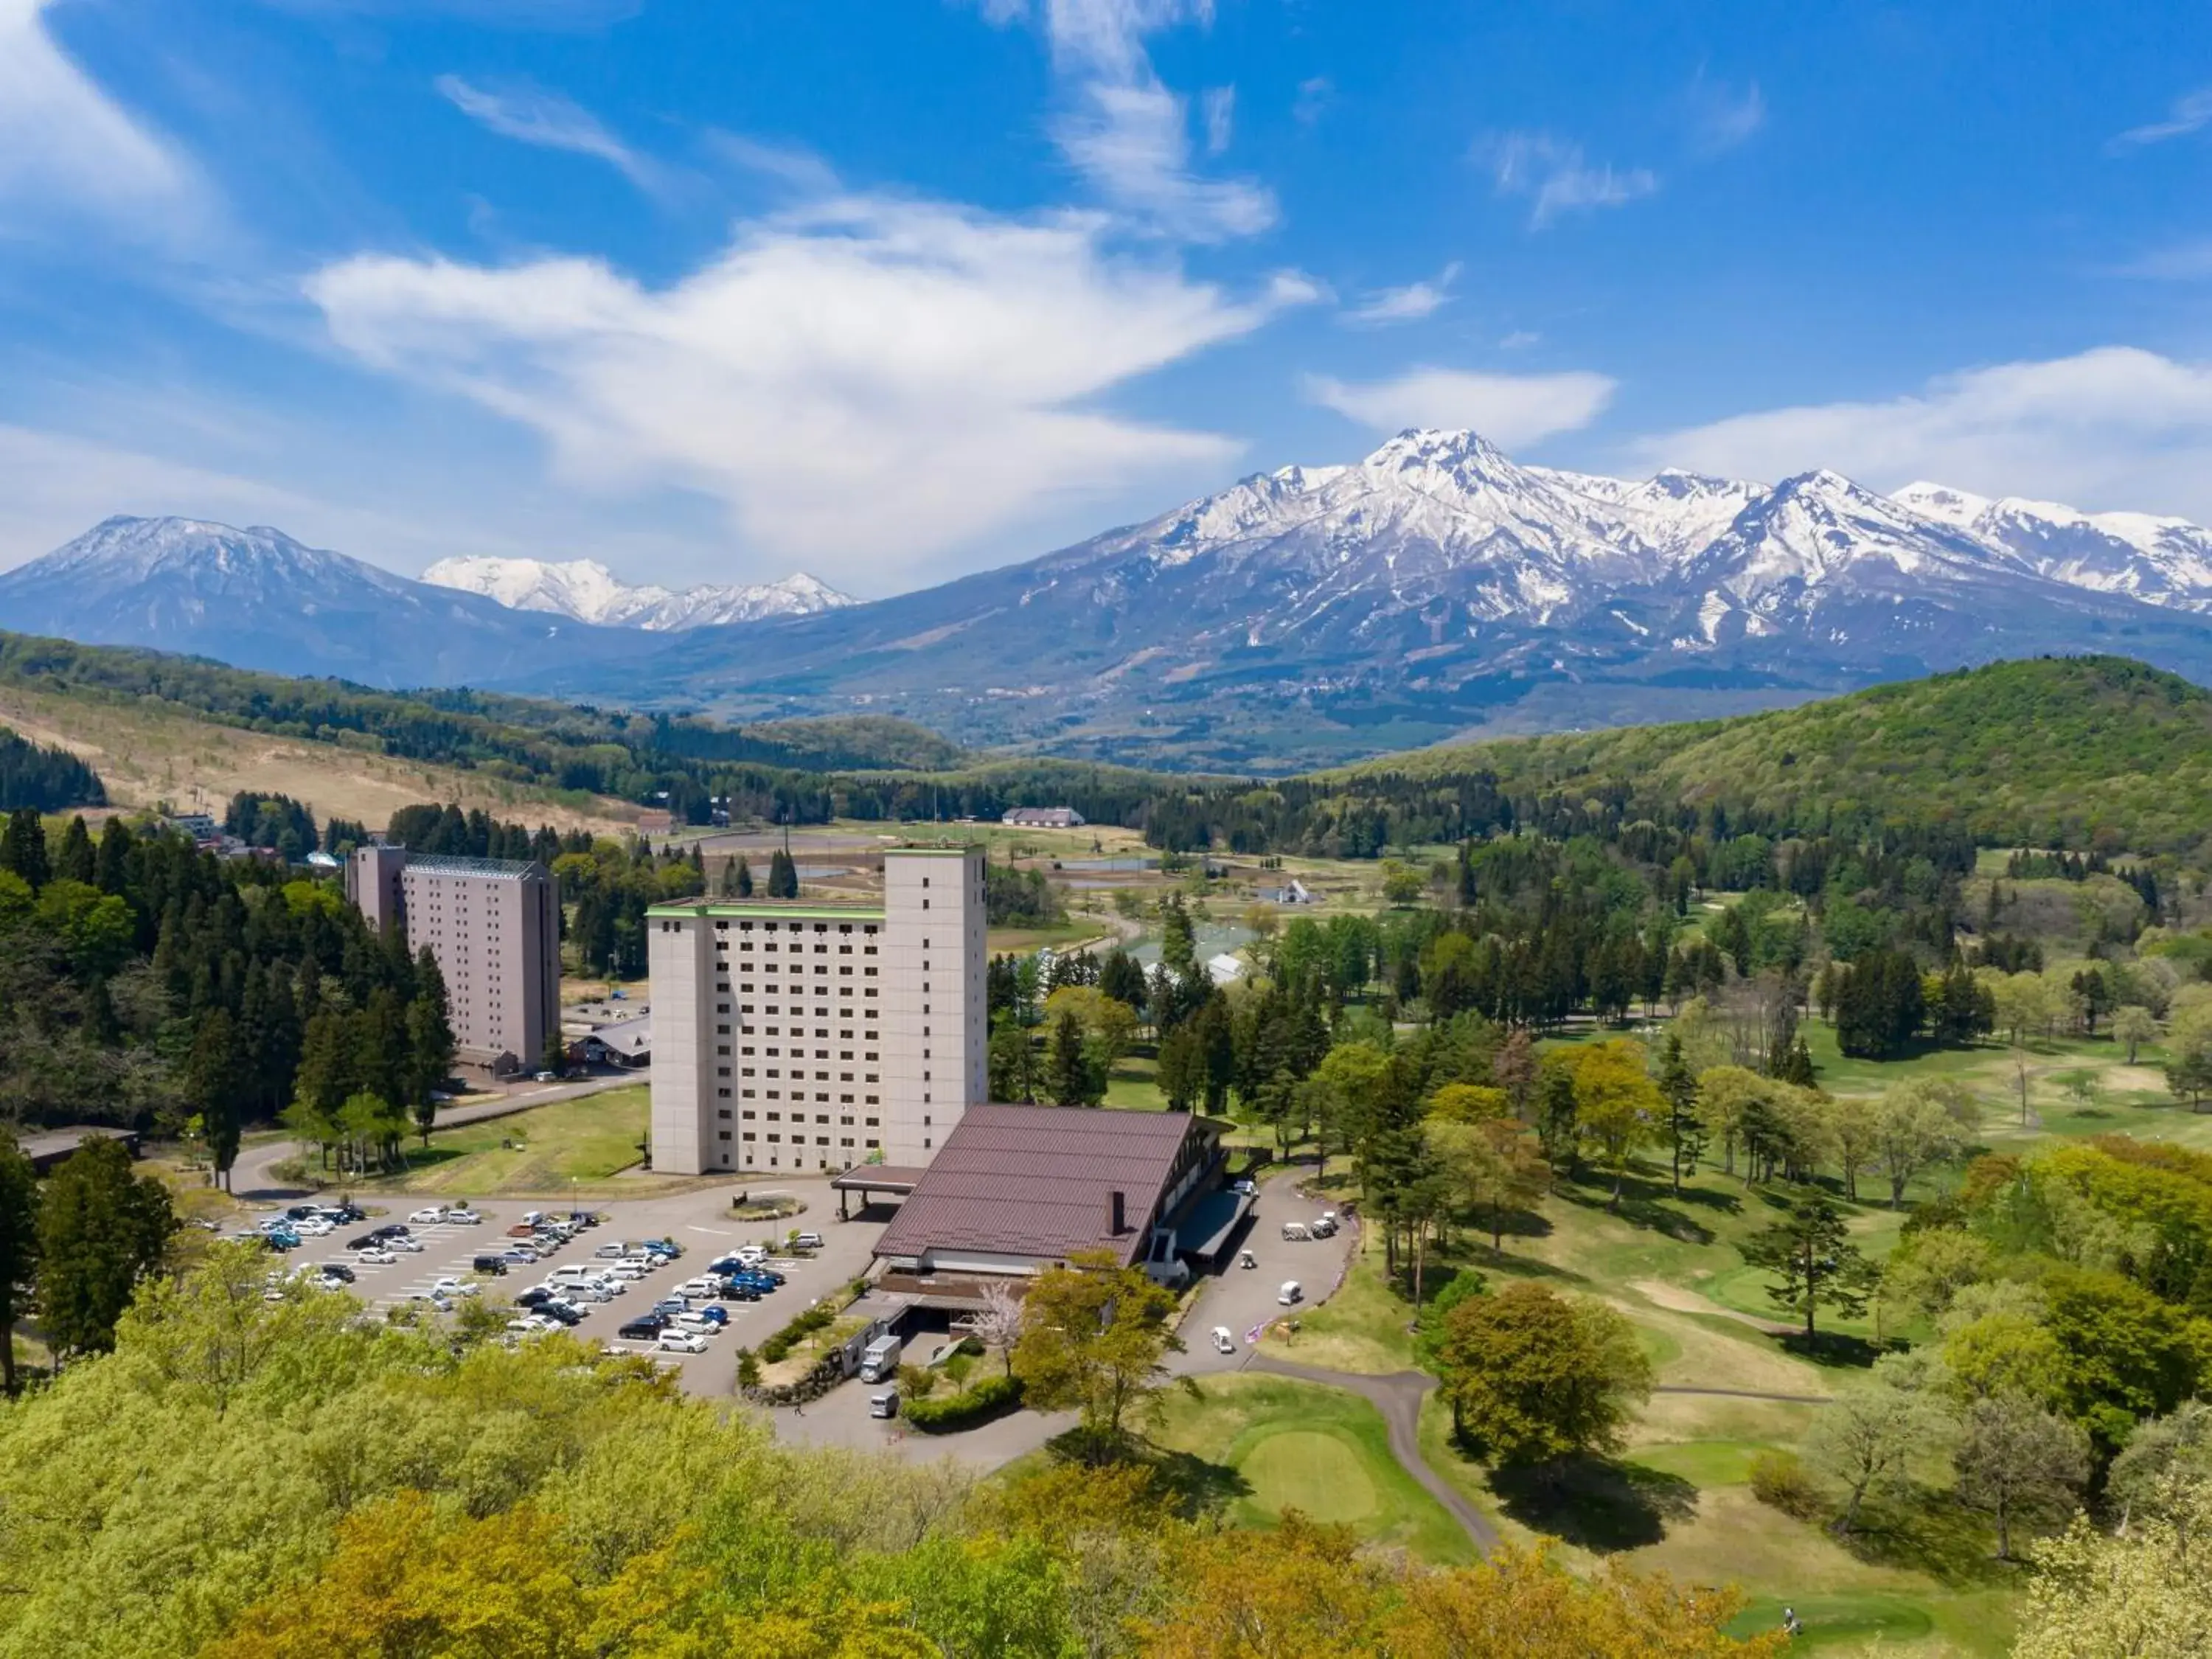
(1408, 304)
(1508, 409)
(2184, 262)
(69, 152)
(1722, 117)
(1219, 105)
(865, 383)
(1556, 177)
(533, 115)
(1124, 129)
(2191, 113)
(2115, 427)
(1314, 96)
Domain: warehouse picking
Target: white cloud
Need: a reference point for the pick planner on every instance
(1408, 304)
(2191, 113)
(1219, 105)
(2186, 262)
(531, 115)
(2116, 427)
(1720, 119)
(1129, 133)
(69, 151)
(865, 383)
(1314, 96)
(1508, 409)
(1554, 176)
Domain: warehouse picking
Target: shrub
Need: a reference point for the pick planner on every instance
(1781, 1480)
(987, 1400)
(780, 1346)
(916, 1381)
(749, 1369)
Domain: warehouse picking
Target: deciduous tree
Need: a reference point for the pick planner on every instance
(1533, 1377)
(2018, 1461)
(1094, 1337)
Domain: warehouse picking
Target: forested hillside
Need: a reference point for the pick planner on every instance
(46, 779)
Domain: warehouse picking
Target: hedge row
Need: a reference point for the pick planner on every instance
(816, 1318)
(987, 1398)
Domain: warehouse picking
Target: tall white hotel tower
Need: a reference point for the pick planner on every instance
(796, 1036)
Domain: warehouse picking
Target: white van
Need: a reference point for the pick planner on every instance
(1290, 1295)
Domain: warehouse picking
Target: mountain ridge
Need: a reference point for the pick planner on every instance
(586, 591)
(1298, 618)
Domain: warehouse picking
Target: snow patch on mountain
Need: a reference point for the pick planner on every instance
(589, 592)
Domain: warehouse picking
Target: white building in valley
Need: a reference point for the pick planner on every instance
(795, 1036)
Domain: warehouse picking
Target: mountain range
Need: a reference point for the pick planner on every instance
(585, 590)
(1300, 617)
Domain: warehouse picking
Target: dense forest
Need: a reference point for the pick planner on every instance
(44, 779)
(2092, 755)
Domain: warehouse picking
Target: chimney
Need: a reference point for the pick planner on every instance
(1115, 1210)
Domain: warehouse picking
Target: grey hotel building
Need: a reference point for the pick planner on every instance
(492, 926)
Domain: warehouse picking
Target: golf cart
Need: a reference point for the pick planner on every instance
(1224, 1340)
(1290, 1295)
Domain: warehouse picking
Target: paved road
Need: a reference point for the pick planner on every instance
(1398, 1397)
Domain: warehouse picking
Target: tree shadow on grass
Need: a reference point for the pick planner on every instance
(1833, 1348)
(1196, 1487)
(1645, 1205)
(1597, 1504)
(1935, 1534)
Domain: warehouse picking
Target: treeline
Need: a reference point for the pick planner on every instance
(155, 986)
(45, 779)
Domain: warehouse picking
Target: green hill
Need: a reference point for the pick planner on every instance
(2074, 751)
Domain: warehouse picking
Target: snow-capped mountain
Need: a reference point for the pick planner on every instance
(2159, 561)
(257, 599)
(1438, 585)
(589, 592)
(1299, 615)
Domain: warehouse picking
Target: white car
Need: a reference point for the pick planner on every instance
(433, 1217)
(631, 1272)
(532, 1325)
(375, 1256)
(675, 1339)
(702, 1285)
(313, 1227)
(412, 1246)
(699, 1322)
(587, 1293)
(450, 1285)
(464, 1217)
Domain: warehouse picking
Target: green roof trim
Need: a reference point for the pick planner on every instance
(960, 852)
(768, 911)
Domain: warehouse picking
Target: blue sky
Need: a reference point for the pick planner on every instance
(893, 289)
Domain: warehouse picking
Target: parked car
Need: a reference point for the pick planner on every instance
(412, 1246)
(338, 1270)
(463, 1217)
(1244, 1186)
(807, 1240)
(590, 1290)
(612, 1251)
(710, 1321)
(644, 1329)
(365, 1242)
(375, 1256)
(736, 1290)
(667, 1247)
(702, 1285)
(536, 1296)
(494, 1264)
(313, 1227)
(1224, 1340)
(1290, 1294)
(672, 1305)
(447, 1284)
(432, 1216)
(885, 1404)
(390, 1230)
(567, 1312)
(532, 1325)
(676, 1341)
(301, 1211)
(347, 1210)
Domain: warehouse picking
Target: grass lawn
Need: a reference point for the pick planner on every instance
(1293, 1445)
(571, 1146)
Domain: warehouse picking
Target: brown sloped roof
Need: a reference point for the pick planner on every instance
(1036, 1180)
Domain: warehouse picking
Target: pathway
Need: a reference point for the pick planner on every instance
(1398, 1397)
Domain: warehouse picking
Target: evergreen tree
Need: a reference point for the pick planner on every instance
(23, 848)
(1811, 1251)
(112, 863)
(101, 1229)
(19, 1249)
(75, 861)
(782, 876)
(214, 1081)
(1067, 1065)
(1684, 1133)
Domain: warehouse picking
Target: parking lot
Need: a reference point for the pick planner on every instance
(1244, 1299)
(699, 1222)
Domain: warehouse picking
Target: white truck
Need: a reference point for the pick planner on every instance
(879, 1363)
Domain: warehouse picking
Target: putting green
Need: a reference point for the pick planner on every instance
(1310, 1471)
(1838, 1618)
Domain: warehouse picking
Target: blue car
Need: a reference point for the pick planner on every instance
(714, 1315)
